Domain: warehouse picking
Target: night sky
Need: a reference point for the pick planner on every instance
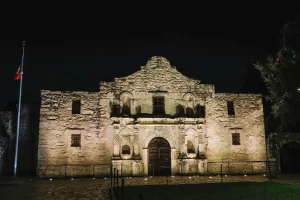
(219, 52)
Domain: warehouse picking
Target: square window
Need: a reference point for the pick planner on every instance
(236, 139)
(75, 140)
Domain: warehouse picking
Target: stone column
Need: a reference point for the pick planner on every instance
(132, 106)
(145, 161)
(182, 139)
(116, 143)
(121, 105)
(201, 148)
(135, 139)
(201, 145)
(131, 140)
(173, 161)
(196, 143)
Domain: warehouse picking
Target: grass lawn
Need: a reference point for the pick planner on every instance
(212, 191)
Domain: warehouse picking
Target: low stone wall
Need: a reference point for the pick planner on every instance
(255, 167)
(129, 167)
(192, 166)
(73, 170)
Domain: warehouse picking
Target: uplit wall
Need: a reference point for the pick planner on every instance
(105, 127)
(248, 122)
(57, 124)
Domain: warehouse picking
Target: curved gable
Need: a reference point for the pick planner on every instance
(159, 75)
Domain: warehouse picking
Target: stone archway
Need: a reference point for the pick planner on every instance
(290, 157)
(159, 157)
(276, 143)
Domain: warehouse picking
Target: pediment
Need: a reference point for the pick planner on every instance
(158, 75)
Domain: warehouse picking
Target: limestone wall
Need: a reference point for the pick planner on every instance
(233, 168)
(57, 123)
(248, 121)
(137, 134)
(156, 78)
(121, 113)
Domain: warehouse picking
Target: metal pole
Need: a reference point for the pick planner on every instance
(19, 113)
(111, 175)
(93, 171)
(228, 169)
(221, 173)
(122, 188)
(269, 168)
(114, 177)
(117, 178)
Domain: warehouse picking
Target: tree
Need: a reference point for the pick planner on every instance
(281, 75)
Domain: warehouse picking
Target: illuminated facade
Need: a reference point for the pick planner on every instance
(154, 122)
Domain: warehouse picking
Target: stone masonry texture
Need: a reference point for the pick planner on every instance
(195, 123)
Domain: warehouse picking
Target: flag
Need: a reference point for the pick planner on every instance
(18, 74)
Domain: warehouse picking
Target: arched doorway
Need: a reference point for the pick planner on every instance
(159, 157)
(290, 158)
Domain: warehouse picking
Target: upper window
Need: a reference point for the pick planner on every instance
(126, 105)
(230, 108)
(125, 149)
(200, 111)
(76, 106)
(159, 105)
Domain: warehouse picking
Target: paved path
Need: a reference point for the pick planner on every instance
(288, 178)
(56, 189)
(88, 188)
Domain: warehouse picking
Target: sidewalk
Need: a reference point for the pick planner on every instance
(98, 188)
(7, 180)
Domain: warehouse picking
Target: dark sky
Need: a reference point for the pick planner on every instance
(217, 52)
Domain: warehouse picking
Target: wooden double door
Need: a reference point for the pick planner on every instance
(159, 154)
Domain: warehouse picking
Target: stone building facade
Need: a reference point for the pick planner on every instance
(154, 122)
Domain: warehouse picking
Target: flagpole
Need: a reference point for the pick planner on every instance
(19, 113)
